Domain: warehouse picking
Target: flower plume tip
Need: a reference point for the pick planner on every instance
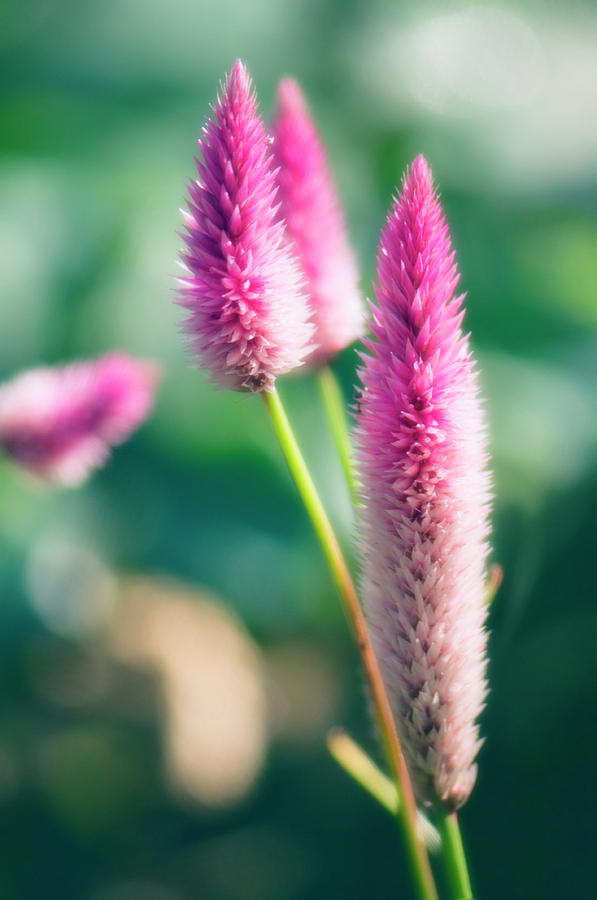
(247, 317)
(315, 224)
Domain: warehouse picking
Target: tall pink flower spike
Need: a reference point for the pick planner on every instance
(59, 423)
(426, 494)
(248, 318)
(316, 225)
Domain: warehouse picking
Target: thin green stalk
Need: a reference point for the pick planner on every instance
(333, 402)
(417, 854)
(454, 856)
(359, 765)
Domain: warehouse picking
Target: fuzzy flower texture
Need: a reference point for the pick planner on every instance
(426, 495)
(248, 318)
(315, 224)
(59, 423)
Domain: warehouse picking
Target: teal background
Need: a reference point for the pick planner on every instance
(100, 108)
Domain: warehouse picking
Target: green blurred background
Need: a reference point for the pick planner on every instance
(152, 747)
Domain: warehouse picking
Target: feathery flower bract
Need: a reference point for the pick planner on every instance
(248, 318)
(426, 495)
(59, 423)
(315, 223)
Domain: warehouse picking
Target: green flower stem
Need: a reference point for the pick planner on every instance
(454, 856)
(333, 402)
(417, 854)
(361, 767)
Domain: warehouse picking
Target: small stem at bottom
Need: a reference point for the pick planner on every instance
(407, 811)
(454, 856)
(361, 767)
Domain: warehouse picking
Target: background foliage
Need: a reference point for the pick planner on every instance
(100, 109)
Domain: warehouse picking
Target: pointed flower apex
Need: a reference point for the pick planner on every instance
(422, 452)
(239, 80)
(316, 225)
(247, 316)
(419, 175)
(59, 423)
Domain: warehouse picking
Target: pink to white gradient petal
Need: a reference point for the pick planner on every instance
(60, 423)
(422, 450)
(248, 317)
(316, 225)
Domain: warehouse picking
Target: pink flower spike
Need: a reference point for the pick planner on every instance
(248, 318)
(426, 494)
(316, 225)
(59, 423)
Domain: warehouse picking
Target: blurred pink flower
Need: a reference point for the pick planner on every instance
(426, 494)
(59, 423)
(248, 317)
(316, 225)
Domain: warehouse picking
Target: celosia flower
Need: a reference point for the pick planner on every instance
(426, 495)
(248, 317)
(59, 423)
(316, 225)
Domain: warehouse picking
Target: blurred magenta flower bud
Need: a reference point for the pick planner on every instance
(248, 318)
(59, 423)
(316, 225)
(426, 494)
